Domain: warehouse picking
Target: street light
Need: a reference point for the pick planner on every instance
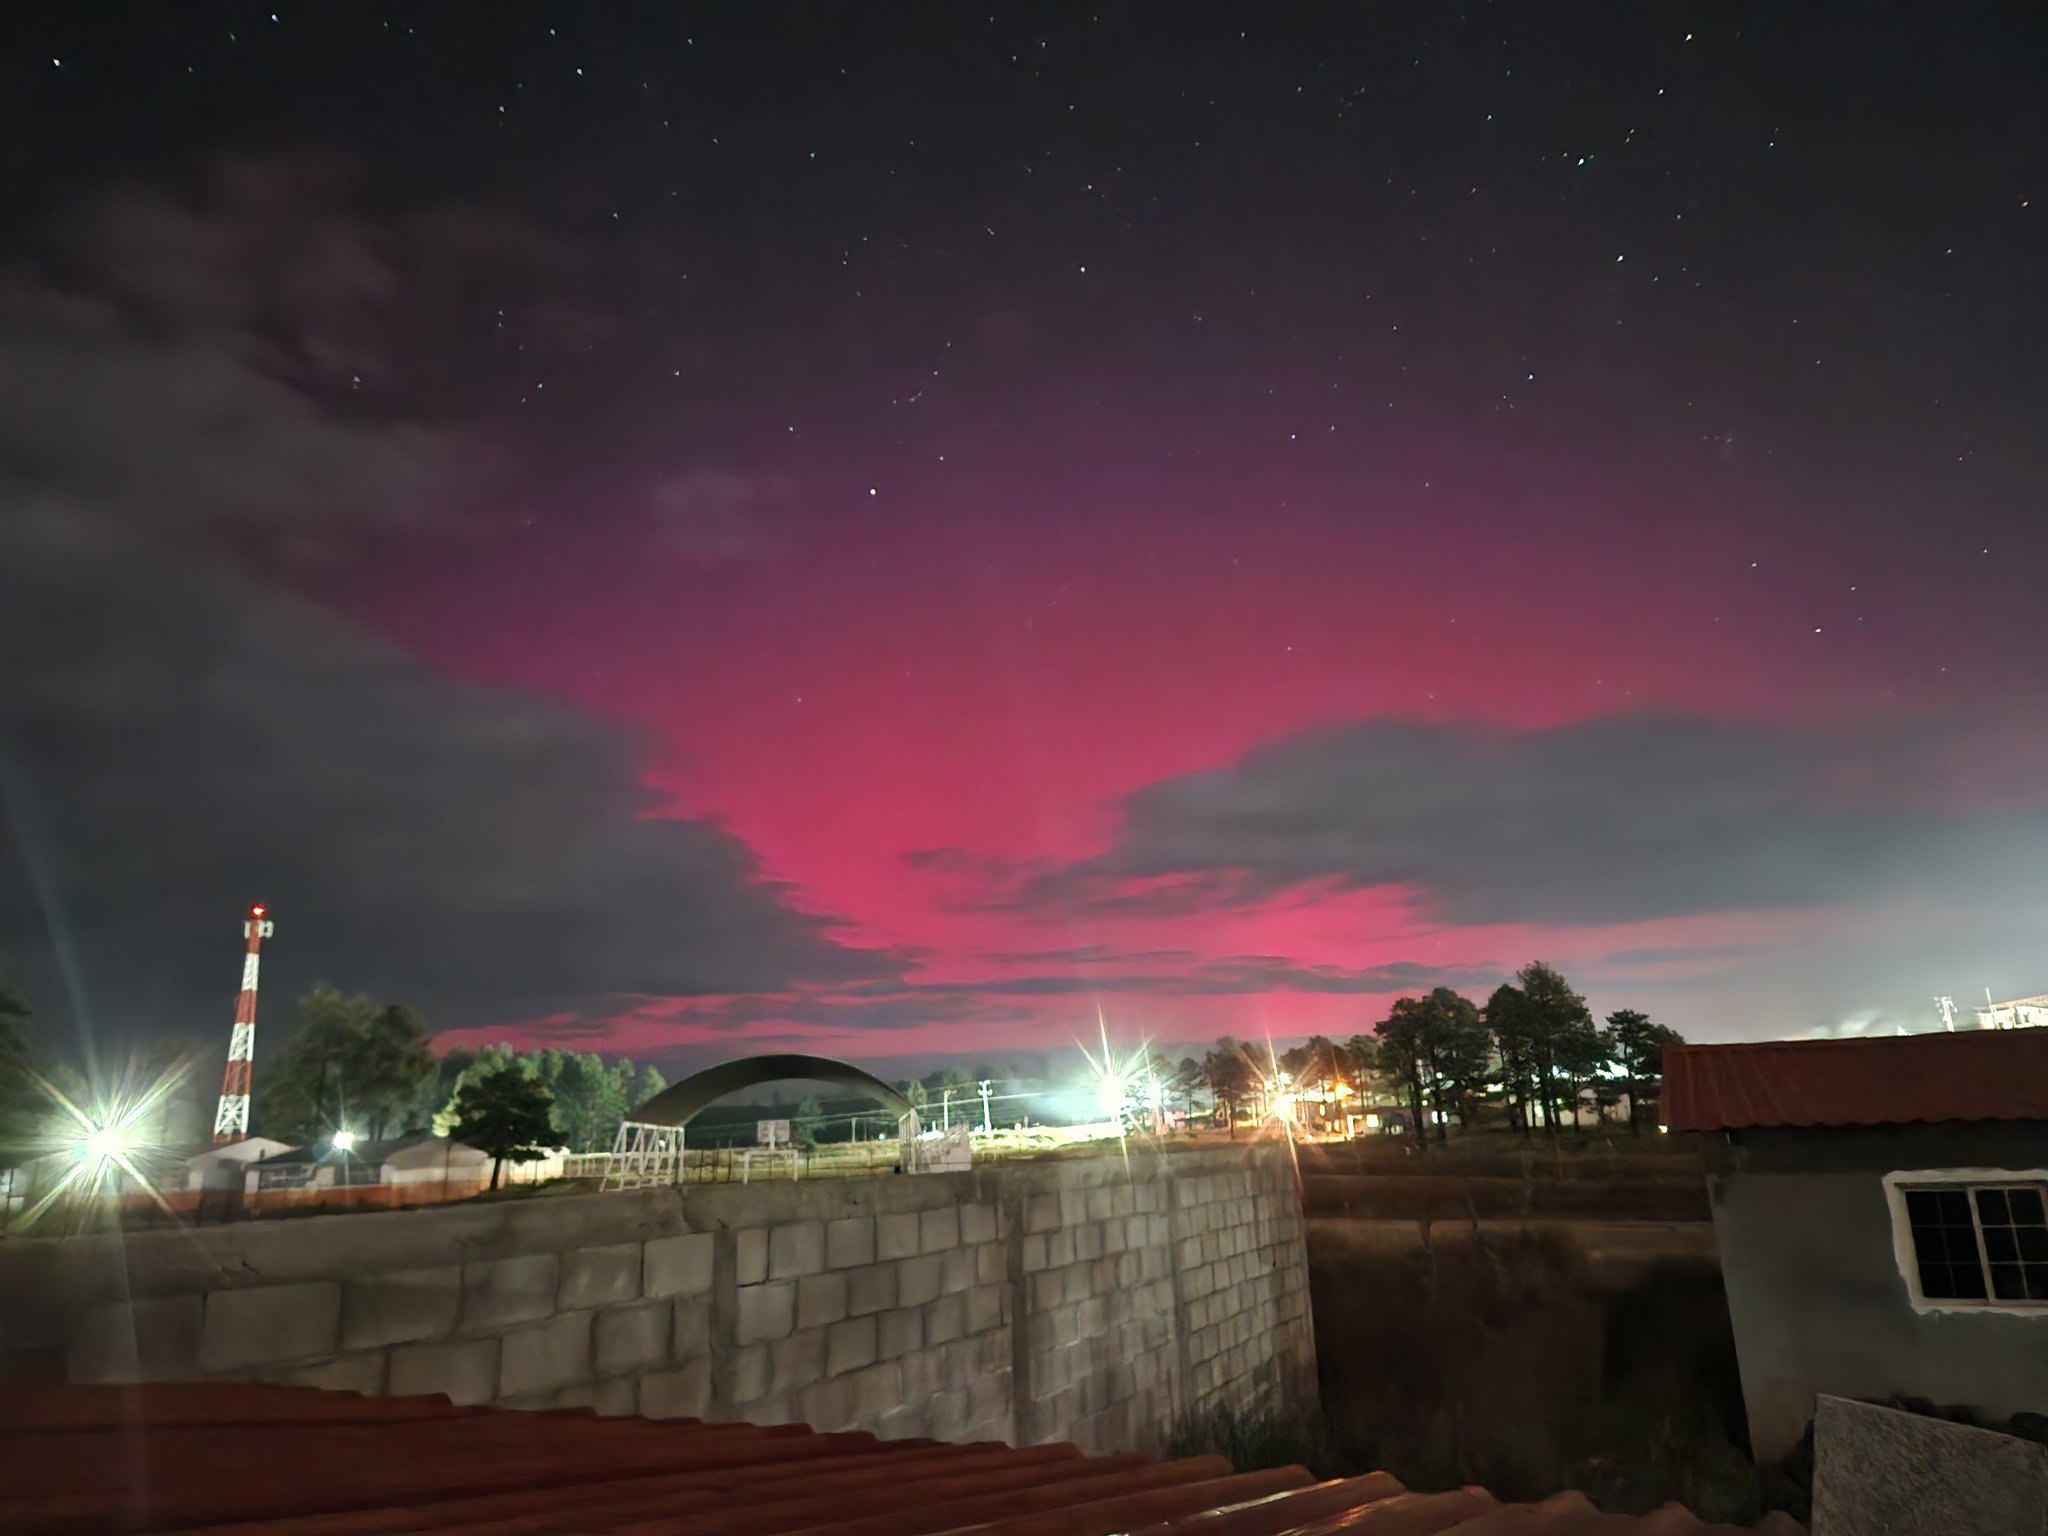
(344, 1141)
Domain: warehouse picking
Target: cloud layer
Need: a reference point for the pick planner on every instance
(179, 738)
(1623, 818)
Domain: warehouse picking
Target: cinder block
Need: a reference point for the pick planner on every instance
(849, 1242)
(877, 1392)
(820, 1299)
(751, 1368)
(917, 1280)
(956, 1270)
(1042, 1213)
(988, 1402)
(796, 1248)
(989, 1264)
(546, 1357)
(1036, 1253)
(1073, 1207)
(270, 1325)
(985, 1308)
(618, 1398)
(683, 1393)
(899, 1332)
(634, 1338)
(799, 1360)
(138, 1340)
(766, 1311)
(850, 1345)
(826, 1406)
(872, 1289)
(599, 1277)
(1059, 1248)
(363, 1372)
(499, 1292)
(896, 1235)
(977, 1222)
(400, 1307)
(692, 1336)
(1088, 1239)
(751, 1249)
(464, 1372)
(1047, 1289)
(938, 1230)
(948, 1414)
(945, 1319)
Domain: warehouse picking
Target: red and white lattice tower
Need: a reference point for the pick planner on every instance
(231, 1119)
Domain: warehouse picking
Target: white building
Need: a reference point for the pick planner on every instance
(225, 1166)
(2020, 1013)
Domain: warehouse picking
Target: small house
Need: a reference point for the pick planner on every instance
(227, 1165)
(421, 1158)
(1881, 1207)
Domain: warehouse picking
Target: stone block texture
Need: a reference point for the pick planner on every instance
(1083, 1300)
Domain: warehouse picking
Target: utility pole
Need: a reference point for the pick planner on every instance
(986, 1128)
(231, 1115)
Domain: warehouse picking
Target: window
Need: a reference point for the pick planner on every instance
(1981, 1243)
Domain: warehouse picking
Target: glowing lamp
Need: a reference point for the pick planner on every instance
(103, 1142)
(344, 1141)
(255, 911)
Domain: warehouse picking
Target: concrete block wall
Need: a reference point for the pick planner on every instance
(1086, 1299)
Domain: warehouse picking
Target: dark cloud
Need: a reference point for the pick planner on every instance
(1620, 819)
(178, 738)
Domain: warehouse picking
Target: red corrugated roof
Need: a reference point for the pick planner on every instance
(226, 1460)
(1989, 1074)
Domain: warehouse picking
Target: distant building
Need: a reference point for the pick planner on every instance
(1881, 1206)
(2020, 1013)
(227, 1165)
(416, 1159)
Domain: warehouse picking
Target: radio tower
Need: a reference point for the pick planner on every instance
(231, 1119)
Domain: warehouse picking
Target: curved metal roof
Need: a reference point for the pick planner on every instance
(678, 1105)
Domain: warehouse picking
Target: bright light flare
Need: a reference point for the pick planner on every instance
(103, 1141)
(114, 1135)
(344, 1141)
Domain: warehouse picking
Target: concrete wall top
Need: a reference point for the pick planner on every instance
(141, 1265)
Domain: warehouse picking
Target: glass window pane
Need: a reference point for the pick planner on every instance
(1991, 1207)
(2008, 1283)
(1966, 1282)
(1922, 1208)
(2000, 1245)
(2025, 1205)
(2037, 1282)
(2033, 1244)
(1955, 1207)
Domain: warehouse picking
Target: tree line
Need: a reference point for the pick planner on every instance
(1533, 1045)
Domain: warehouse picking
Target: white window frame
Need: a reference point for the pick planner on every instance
(1895, 1187)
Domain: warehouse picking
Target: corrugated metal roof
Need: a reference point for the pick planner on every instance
(1881, 1080)
(220, 1460)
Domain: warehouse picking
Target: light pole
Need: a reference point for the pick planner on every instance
(946, 1109)
(986, 1128)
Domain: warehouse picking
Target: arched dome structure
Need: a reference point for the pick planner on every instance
(679, 1104)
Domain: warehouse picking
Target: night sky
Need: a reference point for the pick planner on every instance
(889, 528)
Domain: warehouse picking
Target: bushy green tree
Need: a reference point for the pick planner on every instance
(22, 1101)
(1635, 1044)
(349, 1064)
(1564, 1047)
(507, 1113)
(1439, 1051)
(808, 1122)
